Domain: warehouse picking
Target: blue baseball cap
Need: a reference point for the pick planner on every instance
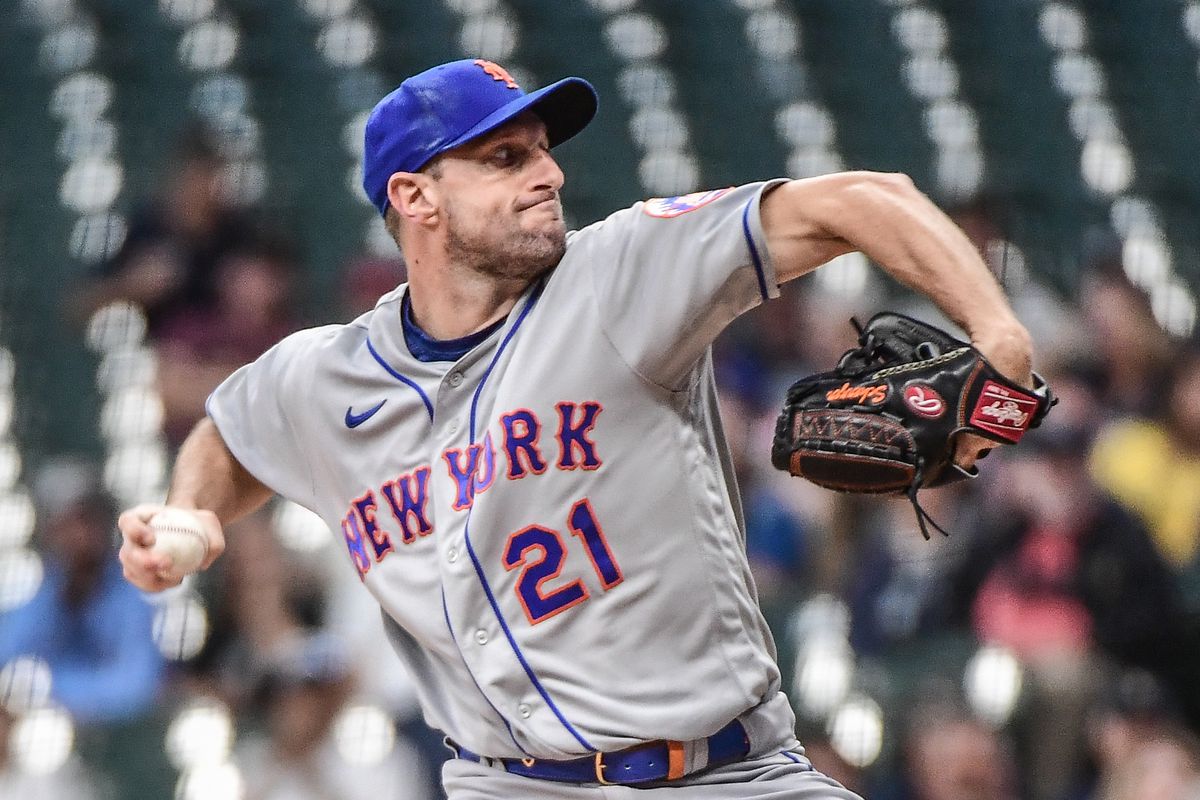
(451, 104)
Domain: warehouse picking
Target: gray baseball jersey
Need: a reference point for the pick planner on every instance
(550, 523)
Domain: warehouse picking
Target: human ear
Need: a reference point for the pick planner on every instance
(413, 196)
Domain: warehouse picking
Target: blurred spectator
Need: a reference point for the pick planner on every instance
(1061, 570)
(1138, 748)
(301, 758)
(199, 347)
(1152, 466)
(1133, 351)
(368, 278)
(167, 261)
(89, 625)
(950, 755)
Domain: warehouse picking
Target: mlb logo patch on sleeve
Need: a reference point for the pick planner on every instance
(666, 207)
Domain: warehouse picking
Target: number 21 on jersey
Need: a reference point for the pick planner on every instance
(540, 552)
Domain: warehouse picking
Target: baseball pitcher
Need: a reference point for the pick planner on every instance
(520, 450)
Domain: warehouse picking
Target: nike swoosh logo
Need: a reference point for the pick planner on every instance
(354, 420)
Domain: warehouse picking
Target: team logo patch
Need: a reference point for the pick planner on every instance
(1003, 411)
(924, 400)
(862, 395)
(666, 207)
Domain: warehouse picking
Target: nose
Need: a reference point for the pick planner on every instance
(547, 173)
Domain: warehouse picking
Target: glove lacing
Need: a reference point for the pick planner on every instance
(922, 515)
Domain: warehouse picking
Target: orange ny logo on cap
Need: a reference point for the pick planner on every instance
(497, 72)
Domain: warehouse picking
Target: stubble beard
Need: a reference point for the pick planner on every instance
(516, 255)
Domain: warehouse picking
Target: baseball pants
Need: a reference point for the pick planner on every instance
(782, 776)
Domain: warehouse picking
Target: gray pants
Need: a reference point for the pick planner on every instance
(779, 776)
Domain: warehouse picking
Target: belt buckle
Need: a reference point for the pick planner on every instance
(600, 767)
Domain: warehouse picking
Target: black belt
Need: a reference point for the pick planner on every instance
(643, 763)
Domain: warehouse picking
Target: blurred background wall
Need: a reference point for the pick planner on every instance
(179, 188)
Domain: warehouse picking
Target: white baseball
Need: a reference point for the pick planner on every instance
(179, 534)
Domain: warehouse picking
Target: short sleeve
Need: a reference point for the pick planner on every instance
(669, 274)
(249, 409)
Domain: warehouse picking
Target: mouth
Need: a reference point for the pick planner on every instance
(538, 200)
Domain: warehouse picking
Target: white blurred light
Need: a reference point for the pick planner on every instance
(17, 517)
(647, 85)
(8, 368)
(658, 128)
(126, 367)
(6, 409)
(347, 41)
(1062, 27)
(1078, 75)
(376, 238)
(134, 472)
(1191, 21)
(364, 734)
(1174, 307)
(96, 237)
(49, 12)
(133, 413)
(822, 616)
(211, 782)
(635, 36)
(299, 529)
(753, 5)
(1146, 259)
(84, 95)
(807, 162)
(992, 683)
(244, 182)
(470, 7)
(667, 173)
(773, 34)
(91, 184)
(328, 9)
(200, 736)
(952, 123)
(21, 575)
(612, 6)
(920, 30)
(353, 134)
(220, 94)
(492, 36)
(25, 684)
(238, 132)
(119, 324)
(42, 740)
(845, 276)
(208, 45)
(823, 677)
(1131, 215)
(931, 76)
(1106, 166)
(959, 171)
(186, 12)
(804, 124)
(1093, 118)
(856, 731)
(180, 626)
(68, 48)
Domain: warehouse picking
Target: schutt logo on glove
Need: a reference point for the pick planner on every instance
(863, 395)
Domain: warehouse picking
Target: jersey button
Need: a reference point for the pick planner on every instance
(481, 636)
(452, 555)
(452, 428)
(456, 378)
(524, 710)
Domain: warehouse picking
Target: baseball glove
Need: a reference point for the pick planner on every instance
(886, 418)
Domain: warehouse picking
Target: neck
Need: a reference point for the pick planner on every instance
(449, 302)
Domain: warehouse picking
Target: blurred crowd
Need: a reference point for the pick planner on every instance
(1077, 555)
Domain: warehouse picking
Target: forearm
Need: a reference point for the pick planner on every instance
(887, 218)
(207, 476)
